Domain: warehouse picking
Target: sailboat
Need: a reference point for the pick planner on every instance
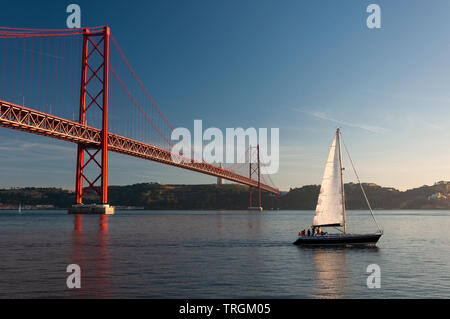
(20, 208)
(330, 209)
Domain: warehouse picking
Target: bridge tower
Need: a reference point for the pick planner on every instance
(94, 99)
(254, 170)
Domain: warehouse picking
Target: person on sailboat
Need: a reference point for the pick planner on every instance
(309, 232)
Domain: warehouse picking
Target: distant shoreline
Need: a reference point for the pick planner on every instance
(154, 196)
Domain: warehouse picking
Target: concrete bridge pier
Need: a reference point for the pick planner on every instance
(92, 209)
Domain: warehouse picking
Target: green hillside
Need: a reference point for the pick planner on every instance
(232, 196)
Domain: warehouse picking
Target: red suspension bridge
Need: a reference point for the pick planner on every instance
(110, 110)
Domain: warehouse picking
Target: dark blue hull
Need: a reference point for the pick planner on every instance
(339, 239)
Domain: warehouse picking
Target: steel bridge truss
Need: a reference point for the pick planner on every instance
(31, 121)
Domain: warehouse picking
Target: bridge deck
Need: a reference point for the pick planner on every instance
(35, 122)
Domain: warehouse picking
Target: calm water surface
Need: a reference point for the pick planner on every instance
(218, 254)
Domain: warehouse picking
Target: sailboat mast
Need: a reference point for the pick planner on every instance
(338, 133)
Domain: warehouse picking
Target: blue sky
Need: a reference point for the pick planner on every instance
(306, 67)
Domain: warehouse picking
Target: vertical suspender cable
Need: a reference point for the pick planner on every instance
(22, 98)
(13, 93)
(5, 67)
(31, 77)
(40, 74)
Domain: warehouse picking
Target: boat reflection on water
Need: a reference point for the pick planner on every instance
(90, 250)
(332, 272)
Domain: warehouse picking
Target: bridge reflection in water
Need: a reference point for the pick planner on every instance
(90, 250)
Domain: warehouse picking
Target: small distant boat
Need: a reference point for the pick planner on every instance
(330, 209)
(20, 208)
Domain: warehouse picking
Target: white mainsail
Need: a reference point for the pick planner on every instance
(330, 205)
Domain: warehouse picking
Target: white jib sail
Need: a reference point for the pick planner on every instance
(329, 209)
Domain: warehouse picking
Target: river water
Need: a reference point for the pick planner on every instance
(218, 254)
